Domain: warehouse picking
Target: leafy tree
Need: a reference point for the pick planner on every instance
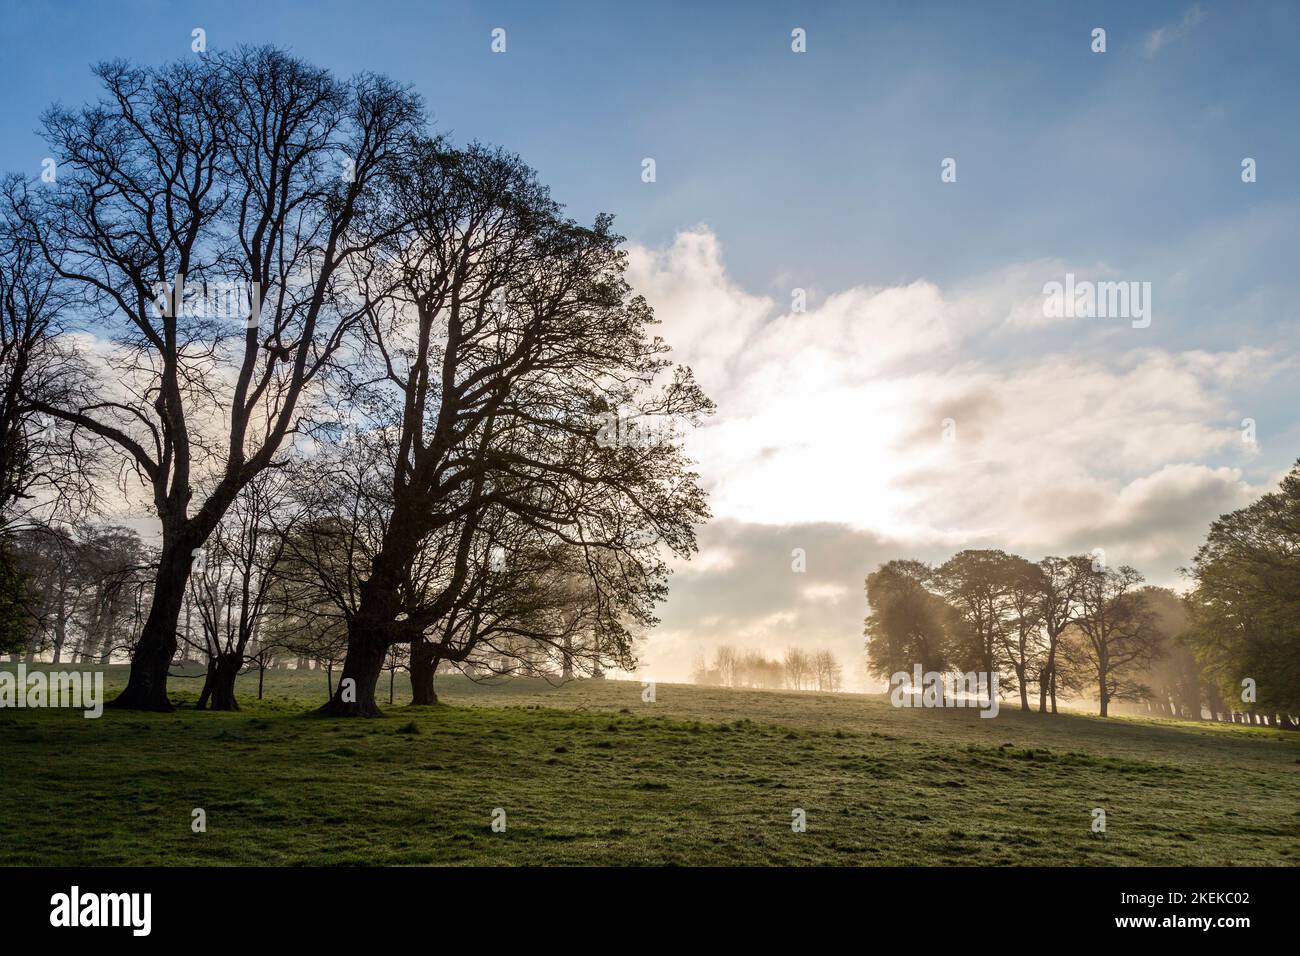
(977, 585)
(1245, 608)
(908, 624)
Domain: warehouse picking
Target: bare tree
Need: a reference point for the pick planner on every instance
(503, 339)
(828, 672)
(1057, 606)
(1021, 638)
(232, 584)
(1116, 635)
(799, 668)
(41, 476)
(725, 663)
(248, 171)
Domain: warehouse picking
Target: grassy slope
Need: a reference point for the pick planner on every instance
(588, 773)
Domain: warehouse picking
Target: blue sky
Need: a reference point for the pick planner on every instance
(820, 171)
(821, 165)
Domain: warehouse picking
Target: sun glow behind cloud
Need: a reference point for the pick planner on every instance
(911, 421)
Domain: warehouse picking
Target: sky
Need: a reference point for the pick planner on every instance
(922, 401)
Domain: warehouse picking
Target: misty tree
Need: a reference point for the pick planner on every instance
(1174, 675)
(1021, 636)
(828, 673)
(1058, 584)
(114, 567)
(909, 624)
(1115, 638)
(798, 668)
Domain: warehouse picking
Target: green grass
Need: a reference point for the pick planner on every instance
(589, 774)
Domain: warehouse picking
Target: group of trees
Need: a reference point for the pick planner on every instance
(797, 670)
(388, 447)
(1074, 627)
(386, 450)
(82, 591)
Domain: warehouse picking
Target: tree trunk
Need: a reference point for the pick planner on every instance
(60, 627)
(146, 689)
(355, 694)
(219, 687)
(206, 694)
(424, 665)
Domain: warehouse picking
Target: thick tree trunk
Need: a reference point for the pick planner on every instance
(219, 687)
(355, 694)
(424, 665)
(1105, 702)
(146, 689)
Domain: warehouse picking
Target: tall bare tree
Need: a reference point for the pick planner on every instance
(249, 173)
(502, 342)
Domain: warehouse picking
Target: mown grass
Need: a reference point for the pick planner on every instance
(588, 773)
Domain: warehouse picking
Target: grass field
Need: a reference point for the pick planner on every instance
(589, 774)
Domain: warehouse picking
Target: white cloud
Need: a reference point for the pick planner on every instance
(832, 419)
(1160, 38)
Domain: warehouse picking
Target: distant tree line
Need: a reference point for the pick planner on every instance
(1074, 626)
(80, 592)
(797, 670)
